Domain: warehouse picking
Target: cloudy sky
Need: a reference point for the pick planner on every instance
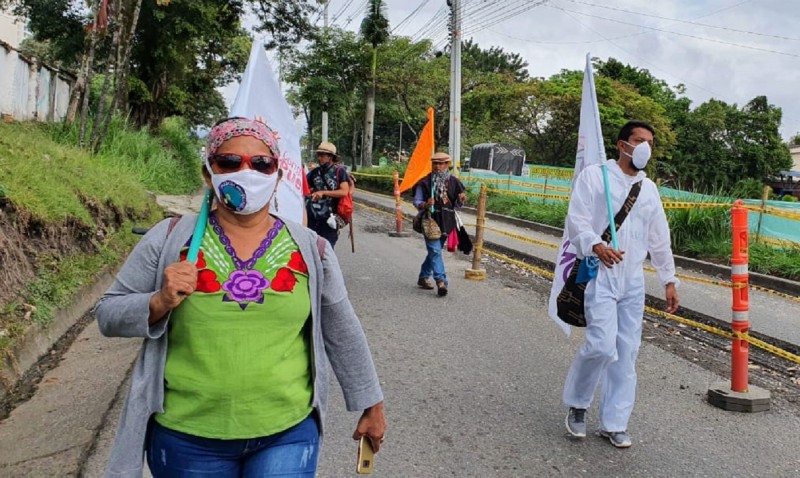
(732, 50)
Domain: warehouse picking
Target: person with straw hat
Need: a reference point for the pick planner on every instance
(441, 193)
(329, 183)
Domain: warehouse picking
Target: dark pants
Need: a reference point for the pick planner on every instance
(324, 230)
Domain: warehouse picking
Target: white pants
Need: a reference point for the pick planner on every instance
(614, 310)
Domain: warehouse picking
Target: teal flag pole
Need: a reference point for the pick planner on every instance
(613, 226)
(199, 229)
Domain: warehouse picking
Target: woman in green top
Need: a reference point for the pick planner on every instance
(241, 387)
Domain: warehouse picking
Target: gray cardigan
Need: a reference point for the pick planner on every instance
(123, 311)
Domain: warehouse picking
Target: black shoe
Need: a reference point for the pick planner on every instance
(442, 288)
(425, 284)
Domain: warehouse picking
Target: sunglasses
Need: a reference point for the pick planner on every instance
(228, 162)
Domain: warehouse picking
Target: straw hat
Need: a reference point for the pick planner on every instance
(440, 158)
(327, 148)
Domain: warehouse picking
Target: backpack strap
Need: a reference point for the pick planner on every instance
(321, 243)
(173, 221)
(619, 218)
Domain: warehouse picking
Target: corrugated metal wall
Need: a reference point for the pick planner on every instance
(30, 91)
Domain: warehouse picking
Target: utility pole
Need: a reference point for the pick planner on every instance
(400, 146)
(325, 113)
(455, 81)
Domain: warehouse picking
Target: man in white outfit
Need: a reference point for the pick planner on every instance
(614, 299)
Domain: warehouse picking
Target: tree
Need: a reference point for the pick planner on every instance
(550, 117)
(721, 144)
(179, 54)
(330, 76)
(493, 60)
(374, 30)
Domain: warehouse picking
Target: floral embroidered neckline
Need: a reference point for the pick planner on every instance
(245, 285)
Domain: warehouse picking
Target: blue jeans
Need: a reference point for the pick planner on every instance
(434, 263)
(293, 452)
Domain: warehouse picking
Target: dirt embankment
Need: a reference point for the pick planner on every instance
(30, 248)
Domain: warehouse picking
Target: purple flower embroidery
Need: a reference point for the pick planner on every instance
(246, 286)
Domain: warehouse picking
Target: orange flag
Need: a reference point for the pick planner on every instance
(419, 165)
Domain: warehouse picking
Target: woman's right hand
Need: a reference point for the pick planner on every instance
(180, 281)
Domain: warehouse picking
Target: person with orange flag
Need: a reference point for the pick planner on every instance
(441, 193)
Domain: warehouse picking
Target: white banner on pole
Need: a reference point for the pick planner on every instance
(590, 151)
(259, 97)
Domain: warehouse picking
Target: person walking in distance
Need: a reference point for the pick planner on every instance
(614, 298)
(328, 183)
(442, 192)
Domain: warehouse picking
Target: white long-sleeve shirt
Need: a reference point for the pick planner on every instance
(644, 230)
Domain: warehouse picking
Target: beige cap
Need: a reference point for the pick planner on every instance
(440, 158)
(326, 147)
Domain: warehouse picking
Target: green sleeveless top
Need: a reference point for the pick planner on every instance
(239, 355)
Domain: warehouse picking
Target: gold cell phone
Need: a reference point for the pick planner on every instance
(366, 457)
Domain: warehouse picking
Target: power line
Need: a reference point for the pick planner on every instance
(510, 10)
(410, 16)
(749, 47)
(341, 11)
(432, 23)
(705, 25)
(360, 9)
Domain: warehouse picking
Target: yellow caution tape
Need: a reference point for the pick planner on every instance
(554, 197)
(518, 237)
(553, 173)
(731, 335)
(693, 205)
(367, 175)
(505, 258)
(772, 211)
(475, 181)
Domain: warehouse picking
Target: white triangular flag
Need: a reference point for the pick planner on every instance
(590, 151)
(259, 97)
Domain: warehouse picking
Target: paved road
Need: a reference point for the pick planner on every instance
(769, 314)
(472, 383)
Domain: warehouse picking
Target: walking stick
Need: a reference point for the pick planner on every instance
(352, 239)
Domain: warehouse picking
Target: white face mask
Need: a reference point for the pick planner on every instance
(245, 191)
(641, 154)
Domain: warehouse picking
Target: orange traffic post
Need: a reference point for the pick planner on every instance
(740, 278)
(398, 204)
(476, 272)
(738, 395)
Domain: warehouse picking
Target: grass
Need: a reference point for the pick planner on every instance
(166, 162)
(45, 179)
(49, 183)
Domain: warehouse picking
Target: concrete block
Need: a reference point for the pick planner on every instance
(473, 274)
(754, 400)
